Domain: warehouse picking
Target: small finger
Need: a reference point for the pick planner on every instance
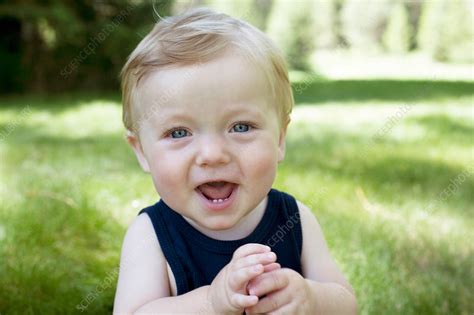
(242, 301)
(271, 302)
(253, 259)
(240, 277)
(248, 249)
(271, 267)
(266, 268)
(268, 282)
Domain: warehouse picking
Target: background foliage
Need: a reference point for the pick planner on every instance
(53, 45)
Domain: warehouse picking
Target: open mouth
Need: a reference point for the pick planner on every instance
(217, 192)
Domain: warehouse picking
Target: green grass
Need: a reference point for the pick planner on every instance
(70, 186)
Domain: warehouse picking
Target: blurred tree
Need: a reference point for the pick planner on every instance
(364, 22)
(10, 54)
(431, 26)
(291, 26)
(447, 30)
(71, 44)
(398, 32)
(36, 39)
(253, 11)
(414, 11)
(325, 15)
(328, 24)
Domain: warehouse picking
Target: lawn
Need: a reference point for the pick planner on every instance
(385, 165)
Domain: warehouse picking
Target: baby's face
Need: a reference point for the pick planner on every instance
(210, 139)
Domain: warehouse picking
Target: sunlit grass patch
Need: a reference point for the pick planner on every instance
(393, 195)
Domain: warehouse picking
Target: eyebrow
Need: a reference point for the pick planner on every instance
(178, 115)
(252, 111)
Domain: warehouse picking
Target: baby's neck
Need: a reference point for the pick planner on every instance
(242, 229)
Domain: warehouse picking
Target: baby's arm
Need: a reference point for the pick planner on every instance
(333, 293)
(143, 275)
(143, 282)
(322, 290)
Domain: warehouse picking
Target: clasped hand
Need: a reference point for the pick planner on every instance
(253, 282)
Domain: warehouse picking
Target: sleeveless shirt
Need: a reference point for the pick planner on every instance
(195, 259)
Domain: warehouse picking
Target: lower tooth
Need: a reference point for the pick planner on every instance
(218, 200)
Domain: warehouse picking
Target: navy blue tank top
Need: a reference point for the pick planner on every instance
(195, 259)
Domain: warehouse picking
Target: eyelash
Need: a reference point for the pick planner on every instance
(170, 132)
(251, 126)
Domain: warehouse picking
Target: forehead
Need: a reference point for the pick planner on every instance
(229, 81)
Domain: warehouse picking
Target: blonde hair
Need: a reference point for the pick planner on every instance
(198, 36)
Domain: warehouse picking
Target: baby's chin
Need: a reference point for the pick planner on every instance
(225, 229)
(221, 225)
(211, 223)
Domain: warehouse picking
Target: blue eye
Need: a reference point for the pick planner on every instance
(178, 133)
(241, 127)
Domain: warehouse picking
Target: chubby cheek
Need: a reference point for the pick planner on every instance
(168, 173)
(260, 166)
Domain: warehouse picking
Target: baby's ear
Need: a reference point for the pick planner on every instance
(134, 142)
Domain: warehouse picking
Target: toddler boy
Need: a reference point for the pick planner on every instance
(206, 104)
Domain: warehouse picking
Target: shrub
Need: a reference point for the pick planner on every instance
(446, 30)
(398, 32)
(291, 26)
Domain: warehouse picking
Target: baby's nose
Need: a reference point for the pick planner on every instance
(212, 151)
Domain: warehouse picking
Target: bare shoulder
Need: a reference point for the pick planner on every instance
(317, 262)
(143, 276)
